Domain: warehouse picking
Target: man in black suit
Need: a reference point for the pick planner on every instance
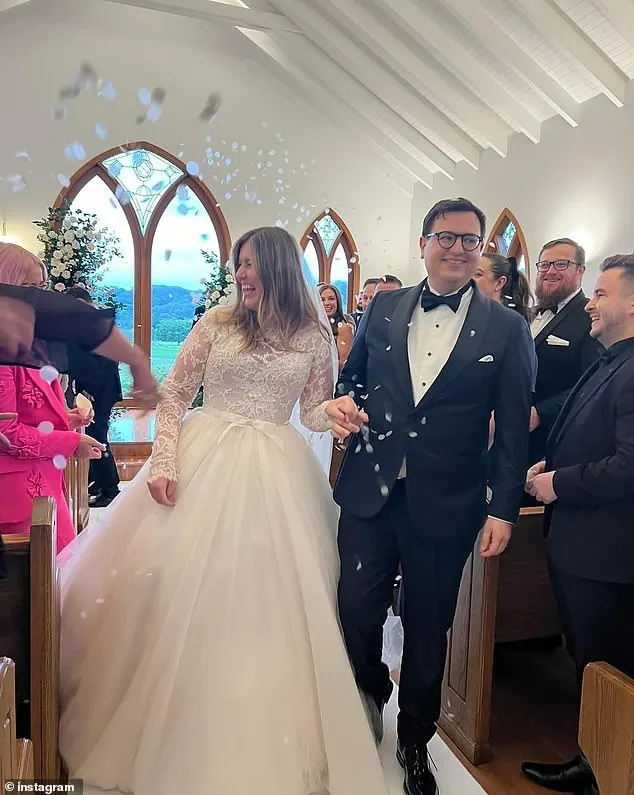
(428, 366)
(587, 482)
(561, 330)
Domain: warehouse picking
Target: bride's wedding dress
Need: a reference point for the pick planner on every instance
(201, 650)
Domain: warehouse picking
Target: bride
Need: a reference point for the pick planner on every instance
(201, 649)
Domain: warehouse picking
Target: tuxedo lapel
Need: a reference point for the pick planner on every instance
(466, 347)
(575, 403)
(550, 327)
(398, 337)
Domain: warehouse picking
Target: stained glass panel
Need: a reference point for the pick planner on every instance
(328, 231)
(507, 237)
(144, 177)
(339, 274)
(310, 252)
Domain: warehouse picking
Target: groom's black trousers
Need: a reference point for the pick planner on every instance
(370, 552)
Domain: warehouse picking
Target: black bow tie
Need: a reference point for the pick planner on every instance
(430, 300)
(552, 308)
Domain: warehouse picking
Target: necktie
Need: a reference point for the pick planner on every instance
(430, 300)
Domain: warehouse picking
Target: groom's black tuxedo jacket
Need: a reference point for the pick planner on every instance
(591, 448)
(445, 437)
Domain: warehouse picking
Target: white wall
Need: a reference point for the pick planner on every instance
(42, 46)
(577, 182)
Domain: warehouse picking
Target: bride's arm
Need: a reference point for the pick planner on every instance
(319, 388)
(177, 392)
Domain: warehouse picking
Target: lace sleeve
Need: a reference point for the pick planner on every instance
(177, 392)
(319, 388)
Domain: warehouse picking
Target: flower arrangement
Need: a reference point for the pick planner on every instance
(219, 287)
(76, 252)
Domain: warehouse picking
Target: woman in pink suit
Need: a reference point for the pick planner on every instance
(42, 434)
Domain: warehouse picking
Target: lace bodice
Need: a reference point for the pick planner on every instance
(261, 384)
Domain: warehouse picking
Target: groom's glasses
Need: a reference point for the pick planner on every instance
(447, 240)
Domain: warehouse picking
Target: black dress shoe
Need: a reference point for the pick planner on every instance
(570, 777)
(374, 711)
(419, 780)
(591, 790)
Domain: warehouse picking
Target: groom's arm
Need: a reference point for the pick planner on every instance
(353, 377)
(512, 409)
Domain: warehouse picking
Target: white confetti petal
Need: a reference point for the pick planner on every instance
(192, 168)
(48, 373)
(46, 427)
(59, 462)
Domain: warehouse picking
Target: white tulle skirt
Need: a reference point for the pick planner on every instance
(201, 650)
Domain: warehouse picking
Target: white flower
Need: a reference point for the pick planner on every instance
(57, 254)
(208, 304)
(91, 247)
(59, 287)
(69, 236)
(90, 234)
(68, 249)
(76, 245)
(66, 275)
(215, 295)
(55, 271)
(80, 233)
(67, 223)
(52, 234)
(223, 301)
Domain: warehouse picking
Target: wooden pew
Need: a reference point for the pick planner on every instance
(606, 727)
(16, 756)
(76, 476)
(29, 633)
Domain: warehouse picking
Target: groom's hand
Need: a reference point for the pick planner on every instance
(345, 417)
(495, 537)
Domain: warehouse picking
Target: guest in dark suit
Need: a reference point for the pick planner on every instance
(587, 482)
(366, 295)
(561, 330)
(99, 378)
(428, 366)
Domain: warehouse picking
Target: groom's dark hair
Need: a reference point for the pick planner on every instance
(448, 206)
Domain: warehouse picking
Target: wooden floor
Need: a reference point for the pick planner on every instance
(535, 712)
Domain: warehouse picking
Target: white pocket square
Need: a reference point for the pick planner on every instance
(487, 358)
(552, 340)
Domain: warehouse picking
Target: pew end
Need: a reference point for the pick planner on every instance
(16, 756)
(29, 635)
(606, 727)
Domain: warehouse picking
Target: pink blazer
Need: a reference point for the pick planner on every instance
(26, 468)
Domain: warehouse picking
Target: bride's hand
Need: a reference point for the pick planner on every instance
(345, 417)
(163, 491)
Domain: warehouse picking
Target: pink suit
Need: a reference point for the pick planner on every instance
(38, 435)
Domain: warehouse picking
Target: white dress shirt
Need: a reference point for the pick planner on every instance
(541, 321)
(431, 339)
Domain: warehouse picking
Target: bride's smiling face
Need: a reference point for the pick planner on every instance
(248, 279)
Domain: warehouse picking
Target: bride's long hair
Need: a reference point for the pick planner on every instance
(286, 305)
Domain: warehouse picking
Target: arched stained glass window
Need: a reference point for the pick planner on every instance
(164, 218)
(507, 238)
(332, 255)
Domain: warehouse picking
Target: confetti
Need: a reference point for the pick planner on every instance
(75, 151)
(59, 462)
(384, 490)
(45, 427)
(17, 183)
(59, 113)
(48, 373)
(192, 168)
(168, 254)
(212, 107)
(413, 434)
(144, 95)
(107, 91)
(101, 131)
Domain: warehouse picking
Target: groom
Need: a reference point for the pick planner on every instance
(428, 366)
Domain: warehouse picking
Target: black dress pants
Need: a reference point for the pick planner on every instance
(597, 619)
(371, 551)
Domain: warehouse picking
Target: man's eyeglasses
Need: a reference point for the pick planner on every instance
(558, 265)
(447, 240)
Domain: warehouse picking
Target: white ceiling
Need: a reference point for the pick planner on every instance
(425, 83)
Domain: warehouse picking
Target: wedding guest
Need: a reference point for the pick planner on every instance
(365, 296)
(587, 485)
(99, 378)
(561, 330)
(41, 432)
(500, 279)
(388, 283)
(342, 328)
